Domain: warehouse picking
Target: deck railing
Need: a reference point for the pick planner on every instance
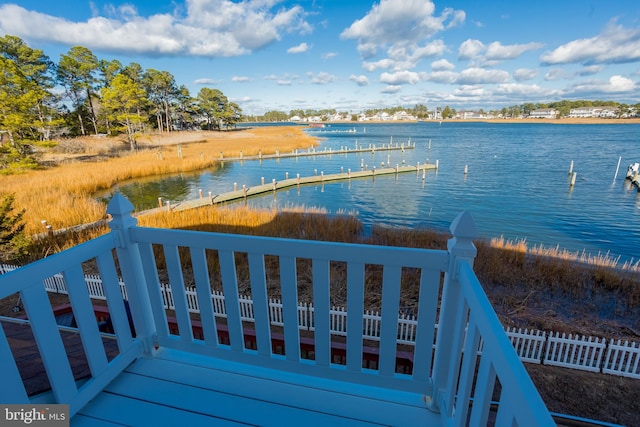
(141, 256)
(586, 353)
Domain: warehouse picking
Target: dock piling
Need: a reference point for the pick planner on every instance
(573, 179)
(617, 169)
(571, 168)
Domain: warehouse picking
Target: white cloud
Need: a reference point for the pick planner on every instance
(283, 82)
(615, 44)
(442, 65)
(402, 30)
(391, 89)
(240, 79)
(321, 78)
(590, 70)
(522, 74)
(469, 49)
(212, 28)
(301, 48)
(443, 77)
(469, 91)
(517, 90)
(329, 55)
(481, 75)
(360, 80)
(205, 81)
(557, 74)
(497, 51)
(400, 78)
(381, 64)
(615, 84)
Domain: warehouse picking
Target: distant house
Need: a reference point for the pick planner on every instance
(582, 112)
(543, 113)
(587, 112)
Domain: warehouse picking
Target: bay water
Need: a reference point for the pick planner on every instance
(517, 183)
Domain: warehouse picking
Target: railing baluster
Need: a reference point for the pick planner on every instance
(389, 319)
(470, 356)
(321, 316)
(45, 332)
(174, 268)
(232, 305)
(260, 303)
(425, 330)
(86, 320)
(355, 310)
(12, 389)
(203, 294)
(485, 384)
(289, 284)
(117, 311)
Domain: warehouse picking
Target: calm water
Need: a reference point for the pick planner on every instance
(517, 185)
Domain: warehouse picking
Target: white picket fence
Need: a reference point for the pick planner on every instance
(533, 346)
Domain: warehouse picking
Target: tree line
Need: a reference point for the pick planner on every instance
(82, 94)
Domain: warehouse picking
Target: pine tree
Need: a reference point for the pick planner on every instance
(13, 242)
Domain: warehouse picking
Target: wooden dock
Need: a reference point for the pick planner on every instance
(371, 148)
(273, 186)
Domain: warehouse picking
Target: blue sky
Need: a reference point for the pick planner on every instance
(356, 55)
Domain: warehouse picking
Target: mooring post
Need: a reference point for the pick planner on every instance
(437, 164)
(273, 183)
(466, 169)
(262, 180)
(286, 175)
(571, 168)
(573, 179)
(617, 169)
(235, 186)
(200, 193)
(159, 202)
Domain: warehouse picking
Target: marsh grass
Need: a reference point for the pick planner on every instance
(64, 195)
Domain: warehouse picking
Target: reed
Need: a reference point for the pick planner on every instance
(64, 195)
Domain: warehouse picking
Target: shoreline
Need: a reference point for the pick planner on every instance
(563, 121)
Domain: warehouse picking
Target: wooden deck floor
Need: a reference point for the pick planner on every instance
(177, 388)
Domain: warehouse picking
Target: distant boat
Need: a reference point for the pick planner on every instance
(316, 125)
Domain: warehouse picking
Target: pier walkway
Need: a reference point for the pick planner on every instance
(371, 148)
(246, 192)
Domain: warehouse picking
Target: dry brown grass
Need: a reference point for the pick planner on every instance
(63, 195)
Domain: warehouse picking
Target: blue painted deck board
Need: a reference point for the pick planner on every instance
(196, 390)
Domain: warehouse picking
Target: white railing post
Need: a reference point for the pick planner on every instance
(131, 267)
(453, 314)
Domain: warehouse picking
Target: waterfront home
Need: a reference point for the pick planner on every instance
(543, 113)
(594, 112)
(463, 370)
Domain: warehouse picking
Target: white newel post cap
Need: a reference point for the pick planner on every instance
(463, 228)
(120, 209)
